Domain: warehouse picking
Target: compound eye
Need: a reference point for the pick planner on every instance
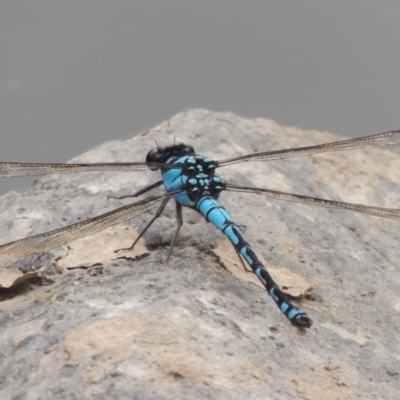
(152, 156)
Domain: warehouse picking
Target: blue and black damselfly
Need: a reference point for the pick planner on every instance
(191, 181)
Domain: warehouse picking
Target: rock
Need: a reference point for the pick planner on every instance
(131, 326)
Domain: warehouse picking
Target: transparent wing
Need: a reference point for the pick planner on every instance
(379, 139)
(390, 213)
(59, 237)
(26, 169)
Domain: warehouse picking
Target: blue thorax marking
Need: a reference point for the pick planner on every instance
(197, 178)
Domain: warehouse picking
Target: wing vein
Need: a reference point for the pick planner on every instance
(382, 139)
(61, 236)
(390, 213)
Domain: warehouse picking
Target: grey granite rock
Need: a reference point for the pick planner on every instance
(130, 326)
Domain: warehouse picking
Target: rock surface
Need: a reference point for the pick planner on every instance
(130, 326)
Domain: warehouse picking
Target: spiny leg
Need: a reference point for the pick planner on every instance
(139, 192)
(179, 222)
(157, 214)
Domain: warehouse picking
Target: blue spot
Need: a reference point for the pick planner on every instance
(293, 313)
(258, 273)
(284, 307)
(273, 295)
(231, 235)
(249, 260)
